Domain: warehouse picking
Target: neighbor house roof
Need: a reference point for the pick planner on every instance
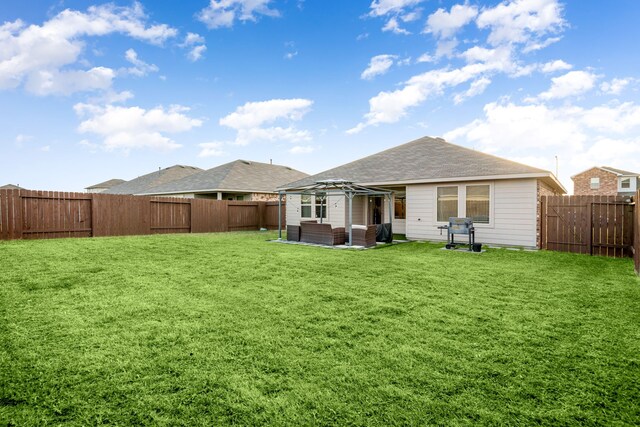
(236, 176)
(11, 187)
(144, 182)
(619, 172)
(107, 184)
(615, 171)
(428, 160)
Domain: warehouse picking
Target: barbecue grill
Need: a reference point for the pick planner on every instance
(461, 226)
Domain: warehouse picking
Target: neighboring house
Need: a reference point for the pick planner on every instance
(605, 181)
(153, 179)
(11, 187)
(103, 186)
(433, 180)
(237, 180)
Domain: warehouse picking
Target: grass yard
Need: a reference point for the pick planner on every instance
(221, 329)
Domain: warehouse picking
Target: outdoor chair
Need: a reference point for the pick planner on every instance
(322, 234)
(364, 235)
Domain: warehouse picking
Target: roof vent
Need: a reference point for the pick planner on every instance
(246, 162)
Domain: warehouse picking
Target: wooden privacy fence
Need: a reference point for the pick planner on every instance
(595, 225)
(636, 239)
(51, 214)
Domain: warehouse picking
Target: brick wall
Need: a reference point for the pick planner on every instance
(264, 197)
(608, 183)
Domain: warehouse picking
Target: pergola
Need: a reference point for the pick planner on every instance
(334, 187)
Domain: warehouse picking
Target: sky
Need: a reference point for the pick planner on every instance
(94, 91)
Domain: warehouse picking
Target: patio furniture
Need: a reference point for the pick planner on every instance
(293, 233)
(364, 235)
(322, 234)
(384, 233)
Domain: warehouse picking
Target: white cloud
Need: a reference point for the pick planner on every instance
(211, 149)
(445, 24)
(195, 43)
(384, 7)
(378, 65)
(615, 86)
(397, 9)
(521, 21)
(37, 53)
(557, 65)
(581, 137)
(425, 57)
(196, 53)
(446, 48)
(389, 107)
(539, 45)
(393, 26)
(55, 82)
(476, 88)
(224, 13)
(411, 16)
(129, 128)
(140, 68)
(45, 148)
(290, 55)
(251, 119)
(302, 149)
(21, 139)
(192, 39)
(571, 84)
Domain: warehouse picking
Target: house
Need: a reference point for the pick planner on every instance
(431, 181)
(161, 176)
(237, 180)
(103, 186)
(605, 181)
(11, 187)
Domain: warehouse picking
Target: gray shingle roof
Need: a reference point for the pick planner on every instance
(107, 184)
(239, 175)
(11, 187)
(423, 159)
(144, 182)
(619, 171)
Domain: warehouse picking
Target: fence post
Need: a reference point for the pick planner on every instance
(590, 227)
(262, 210)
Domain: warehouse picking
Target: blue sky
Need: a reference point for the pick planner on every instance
(93, 91)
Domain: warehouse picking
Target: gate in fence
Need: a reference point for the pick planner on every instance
(595, 225)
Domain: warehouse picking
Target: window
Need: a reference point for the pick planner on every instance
(240, 198)
(595, 183)
(478, 203)
(305, 206)
(321, 207)
(400, 207)
(447, 203)
(625, 183)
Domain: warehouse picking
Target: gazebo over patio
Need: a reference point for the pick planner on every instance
(324, 189)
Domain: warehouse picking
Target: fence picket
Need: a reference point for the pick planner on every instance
(596, 225)
(52, 214)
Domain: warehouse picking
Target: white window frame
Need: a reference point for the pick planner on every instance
(478, 224)
(462, 202)
(435, 206)
(594, 183)
(632, 184)
(311, 207)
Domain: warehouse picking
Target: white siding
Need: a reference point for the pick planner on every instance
(293, 209)
(513, 213)
(335, 210)
(359, 210)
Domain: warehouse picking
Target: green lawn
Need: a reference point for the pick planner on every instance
(220, 329)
